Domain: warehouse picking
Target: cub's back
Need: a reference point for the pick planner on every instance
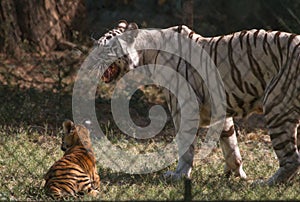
(75, 173)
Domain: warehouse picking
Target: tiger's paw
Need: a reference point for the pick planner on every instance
(258, 183)
(284, 174)
(178, 175)
(183, 170)
(94, 193)
(175, 176)
(238, 172)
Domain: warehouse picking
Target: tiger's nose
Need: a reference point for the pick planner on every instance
(63, 148)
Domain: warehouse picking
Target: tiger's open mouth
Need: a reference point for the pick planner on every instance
(111, 73)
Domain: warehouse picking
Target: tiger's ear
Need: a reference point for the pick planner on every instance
(67, 126)
(122, 24)
(133, 27)
(131, 33)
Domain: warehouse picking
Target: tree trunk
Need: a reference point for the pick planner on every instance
(10, 34)
(188, 13)
(40, 23)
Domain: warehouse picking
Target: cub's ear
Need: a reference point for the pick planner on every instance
(67, 126)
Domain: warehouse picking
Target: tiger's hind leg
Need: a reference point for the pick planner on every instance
(231, 151)
(229, 144)
(281, 111)
(284, 144)
(95, 185)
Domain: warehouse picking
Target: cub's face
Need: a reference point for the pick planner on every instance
(74, 135)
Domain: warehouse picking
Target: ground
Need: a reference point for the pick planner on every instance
(36, 96)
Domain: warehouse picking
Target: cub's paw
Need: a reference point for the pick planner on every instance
(94, 193)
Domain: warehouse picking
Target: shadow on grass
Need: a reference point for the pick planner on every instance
(31, 107)
(46, 110)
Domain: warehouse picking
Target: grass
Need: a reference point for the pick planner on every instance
(26, 155)
(30, 125)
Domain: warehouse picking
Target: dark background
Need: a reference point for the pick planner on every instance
(44, 42)
(29, 23)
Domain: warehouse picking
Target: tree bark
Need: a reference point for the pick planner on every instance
(40, 23)
(10, 34)
(188, 13)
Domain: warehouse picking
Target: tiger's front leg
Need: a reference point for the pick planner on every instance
(185, 164)
(231, 151)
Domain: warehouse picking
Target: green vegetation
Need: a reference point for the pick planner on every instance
(26, 154)
(36, 96)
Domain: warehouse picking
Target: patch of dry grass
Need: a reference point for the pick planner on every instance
(26, 154)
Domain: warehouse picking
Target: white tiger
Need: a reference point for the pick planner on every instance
(260, 71)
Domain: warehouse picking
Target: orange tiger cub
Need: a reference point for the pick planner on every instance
(75, 173)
